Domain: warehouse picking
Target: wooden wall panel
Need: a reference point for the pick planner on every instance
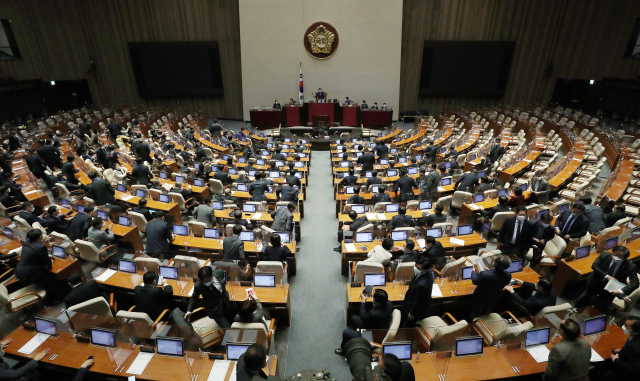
(58, 37)
(583, 39)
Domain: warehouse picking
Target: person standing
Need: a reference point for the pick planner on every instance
(159, 236)
(429, 189)
(488, 284)
(569, 359)
(212, 287)
(417, 300)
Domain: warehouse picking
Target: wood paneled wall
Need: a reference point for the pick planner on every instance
(57, 39)
(583, 38)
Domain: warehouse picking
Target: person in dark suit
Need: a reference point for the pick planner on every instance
(159, 236)
(608, 266)
(54, 222)
(115, 129)
(84, 128)
(101, 157)
(357, 223)
(81, 292)
(320, 95)
(485, 185)
(501, 207)
(488, 284)
(429, 189)
(381, 196)
(497, 150)
(31, 215)
(375, 106)
(212, 287)
(364, 105)
(439, 215)
(50, 154)
(151, 299)
(278, 155)
(288, 192)
(367, 160)
(516, 235)
(408, 254)
(250, 364)
(35, 164)
(276, 252)
(594, 214)
(34, 267)
(453, 153)
(542, 232)
(615, 216)
(69, 171)
(517, 198)
(433, 248)
(223, 176)
(141, 173)
(379, 317)
(277, 105)
(572, 224)
(291, 102)
(350, 179)
(539, 189)
(233, 247)
(258, 188)
(467, 180)
(382, 151)
(545, 295)
(569, 359)
(625, 362)
(401, 219)
(430, 153)
(142, 209)
(486, 163)
(356, 198)
(417, 301)
(78, 226)
(404, 186)
(143, 151)
(100, 190)
(6, 199)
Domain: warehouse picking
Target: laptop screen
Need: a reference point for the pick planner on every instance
(8, 233)
(466, 272)
(233, 171)
(44, 325)
(169, 272)
(524, 186)
(344, 164)
(364, 237)
(104, 337)
(537, 337)
(446, 181)
(611, 243)
(211, 233)
(635, 233)
(384, 161)
(169, 346)
(402, 159)
(358, 208)
(127, 266)
(374, 279)
(180, 230)
(564, 207)
(198, 182)
(284, 237)
(399, 235)
(179, 179)
(472, 157)
(102, 215)
(435, 233)
(469, 346)
(218, 205)
(412, 171)
(264, 280)
(298, 164)
(481, 174)
(443, 150)
(163, 198)
(80, 208)
(249, 208)
(58, 251)
(234, 351)
(163, 175)
(478, 198)
(124, 221)
(583, 252)
(516, 266)
(401, 350)
(447, 165)
(542, 212)
(503, 192)
(391, 208)
(246, 236)
(349, 190)
(274, 174)
(465, 230)
(597, 324)
(64, 203)
(392, 173)
(242, 188)
(140, 193)
(423, 205)
(121, 188)
(375, 189)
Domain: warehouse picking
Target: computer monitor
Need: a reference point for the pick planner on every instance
(225, 157)
(375, 279)
(218, 205)
(349, 190)
(362, 237)
(595, 325)
(635, 233)
(478, 197)
(472, 157)
(358, 208)
(179, 179)
(298, 164)
(424, 205)
(65, 203)
(260, 162)
(399, 235)
(169, 346)
(391, 208)
(198, 182)
(242, 160)
(384, 161)
(446, 181)
(182, 230)
(466, 272)
(524, 186)
(516, 266)
(503, 192)
(469, 346)
(169, 272)
(246, 236)
(563, 207)
(196, 165)
(402, 350)
(583, 251)
(447, 165)
(344, 164)
(368, 174)
(375, 189)
(264, 280)
(481, 174)
(58, 251)
(279, 163)
(298, 175)
(249, 208)
(284, 237)
(536, 336)
(434, 232)
(234, 351)
(102, 215)
(465, 230)
(274, 174)
(269, 145)
(80, 208)
(121, 188)
(233, 171)
(141, 193)
(163, 175)
(103, 336)
(45, 325)
(392, 173)
(127, 266)
(211, 233)
(8, 232)
(243, 188)
(412, 171)
(610, 243)
(542, 212)
(251, 173)
(402, 160)
(163, 198)
(393, 150)
(443, 150)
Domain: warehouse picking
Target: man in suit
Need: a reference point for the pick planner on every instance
(212, 287)
(401, 219)
(375, 106)
(497, 150)
(453, 153)
(115, 129)
(100, 190)
(35, 164)
(288, 192)
(226, 195)
(364, 105)
(516, 235)
(382, 151)
(258, 188)
(237, 220)
(283, 218)
(542, 232)
(277, 105)
(417, 301)
(78, 226)
(50, 154)
(467, 180)
(143, 151)
(486, 163)
(408, 254)
(356, 198)
(69, 171)
(142, 209)
(141, 173)
(97, 236)
(221, 175)
(594, 214)
(374, 179)
(404, 186)
(439, 215)
(291, 102)
(488, 284)
(615, 216)
(606, 267)
(569, 359)
(532, 303)
(84, 127)
(83, 291)
(539, 188)
(321, 95)
(151, 299)
(367, 160)
(625, 362)
(501, 207)
(233, 248)
(159, 236)
(250, 364)
(384, 106)
(30, 214)
(54, 222)
(429, 189)
(430, 153)
(350, 179)
(379, 317)
(34, 267)
(205, 213)
(6, 199)
(357, 223)
(433, 248)
(485, 185)
(572, 224)
(348, 101)
(381, 196)
(101, 157)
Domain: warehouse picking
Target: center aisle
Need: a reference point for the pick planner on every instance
(318, 300)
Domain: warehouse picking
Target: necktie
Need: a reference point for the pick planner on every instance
(612, 268)
(567, 226)
(516, 231)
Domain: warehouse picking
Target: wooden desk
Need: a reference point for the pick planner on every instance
(467, 209)
(567, 172)
(392, 135)
(170, 208)
(621, 181)
(60, 267)
(520, 167)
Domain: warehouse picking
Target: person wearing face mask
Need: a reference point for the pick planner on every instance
(417, 301)
(540, 295)
(26, 372)
(429, 189)
(543, 232)
(539, 189)
(433, 248)
(607, 266)
(516, 234)
(572, 224)
(212, 286)
(408, 254)
(625, 362)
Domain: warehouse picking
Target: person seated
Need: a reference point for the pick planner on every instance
(379, 317)
(356, 198)
(100, 238)
(178, 188)
(381, 196)
(292, 102)
(453, 152)
(251, 363)
(151, 299)
(485, 185)
(251, 311)
(6, 199)
(532, 302)
(381, 253)
(433, 248)
(439, 216)
(78, 226)
(517, 199)
(408, 253)
(357, 223)
(226, 196)
(277, 105)
(572, 223)
(615, 216)
(30, 214)
(375, 106)
(83, 291)
(54, 222)
(276, 252)
(142, 209)
(233, 247)
(26, 372)
(223, 176)
(237, 220)
(288, 192)
(395, 369)
(401, 220)
(501, 207)
(350, 179)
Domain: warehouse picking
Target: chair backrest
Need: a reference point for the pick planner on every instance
(88, 251)
(366, 267)
(62, 189)
(36, 225)
(96, 306)
(623, 221)
(178, 199)
(446, 227)
(554, 309)
(137, 324)
(396, 316)
(266, 232)
(499, 218)
(380, 206)
(190, 265)
(229, 229)
(271, 267)
(139, 220)
(365, 228)
(404, 271)
(197, 227)
(445, 202)
(23, 222)
(440, 333)
(215, 186)
(453, 269)
(261, 338)
(555, 246)
(608, 233)
(460, 198)
(145, 264)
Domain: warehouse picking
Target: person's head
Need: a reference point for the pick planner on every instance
(452, 147)
(632, 326)
(521, 213)
(353, 215)
(570, 329)
(387, 244)
(290, 99)
(429, 222)
(92, 175)
(620, 252)
(255, 358)
(248, 307)
(374, 173)
(4, 189)
(423, 263)
(381, 189)
(585, 200)
(178, 185)
(403, 172)
(620, 208)
(291, 206)
(227, 191)
(237, 214)
(439, 209)
(502, 200)
(149, 278)
(351, 171)
(409, 245)
(220, 167)
(205, 274)
(391, 365)
(159, 214)
(74, 279)
(363, 101)
(96, 223)
(276, 240)
(276, 101)
(543, 285)
(356, 190)
(484, 179)
(539, 175)
(432, 166)
(28, 206)
(380, 297)
(577, 209)
(546, 218)
(237, 229)
(140, 161)
(429, 241)
(517, 191)
(319, 89)
(402, 210)
(70, 158)
(52, 211)
(34, 235)
(502, 262)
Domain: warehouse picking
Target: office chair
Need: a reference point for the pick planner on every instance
(19, 299)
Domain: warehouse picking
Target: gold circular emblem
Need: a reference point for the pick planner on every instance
(321, 40)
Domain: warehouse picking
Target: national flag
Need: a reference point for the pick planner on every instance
(301, 94)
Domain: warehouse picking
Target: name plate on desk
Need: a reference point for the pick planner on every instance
(473, 206)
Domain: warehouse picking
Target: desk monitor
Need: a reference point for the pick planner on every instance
(419, 157)
(251, 173)
(141, 193)
(349, 190)
(412, 171)
(446, 181)
(269, 145)
(225, 157)
(242, 160)
(447, 165)
(610, 243)
(482, 174)
(402, 160)
(274, 174)
(516, 266)
(163, 175)
(375, 279)
(247, 236)
(281, 206)
(233, 171)
(583, 251)
(472, 157)
(80, 208)
(503, 192)
(279, 163)
(384, 161)
(179, 179)
(103, 336)
(58, 251)
(284, 237)
(424, 205)
(563, 207)
(287, 140)
(375, 189)
(45, 325)
(434, 232)
(264, 280)
(465, 230)
(124, 221)
(65, 203)
(242, 188)
(402, 350)
(595, 325)
(368, 174)
(169, 157)
(344, 164)
(196, 165)
(121, 188)
(362, 237)
(358, 208)
(536, 336)
(234, 351)
(443, 150)
(218, 205)
(393, 150)
(182, 230)
(391, 208)
(468, 346)
(260, 162)
(399, 235)
(635, 233)
(8, 232)
(249, 208)
(127, 266)
(478, 198)
(524, 186)
(211, 233)
(198, 182)
(542, 212)
(163, 198)
(102, 215)
(302, 155)
(466, 272)
(169, 346)
(298, 175)
(392, 173)
(298, 164)
(169, 272)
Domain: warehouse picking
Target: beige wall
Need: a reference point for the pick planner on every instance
(365, 66)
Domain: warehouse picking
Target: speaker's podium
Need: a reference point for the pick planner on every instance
(321, 124)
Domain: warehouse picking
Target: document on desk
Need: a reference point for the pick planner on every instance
(105, 275)
(595, 356)
(256, 216)
(382, 216)
(232, 377)
(473, 206)
(191, 292)
(350, 247)
(219, 370)
(436, 291)
(33, 344)
(456, 241)
(371, 216)
(126, 197)
(140, 363)
(421, 242)
(614, 285)
(540, 353)
(440, 189)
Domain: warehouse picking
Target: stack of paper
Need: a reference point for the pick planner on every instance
(257, 216)
(436, 292)
(455, 241)
(371, 216)
(232, 377)
(33, 344)
(595, 357)
(420, 242)
(473, 206)
(540, 353)
(140, 363)
(219, 370)
(350, 247)
(382, 216)
(440, 189)
(614, 285)
(105, 275)
(126, 197)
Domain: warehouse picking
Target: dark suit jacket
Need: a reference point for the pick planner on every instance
(382, 151)
(367, 160)
(35, 164)
(498, 208)
(216, 303)
(356, 199)
(578, 229)
(244, 374)
(278, 254)
(142, 174)
(466, 181)
(150, 300)
(69, 171)
(56, 224)
(374, 181)
(158, 237)
(435, 251)
(31, 218)
(34, 262)
(381, 197)
(611, 218)
(144, 211)
(401, 220)
(223, 177)
(348, 180)
(7, 201)
(358, 223)
(524, 240)
(101, 192)
(496, 151)
(627, 366)
(430, 152)
(536, 302)
(114, 129)
(143, 151)
(539, 232)
(417, 301)
(377, 317)
(49, 154)
(85, 128)
(85, 291)
(489, 284)
(627, 269)
(78, 226)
